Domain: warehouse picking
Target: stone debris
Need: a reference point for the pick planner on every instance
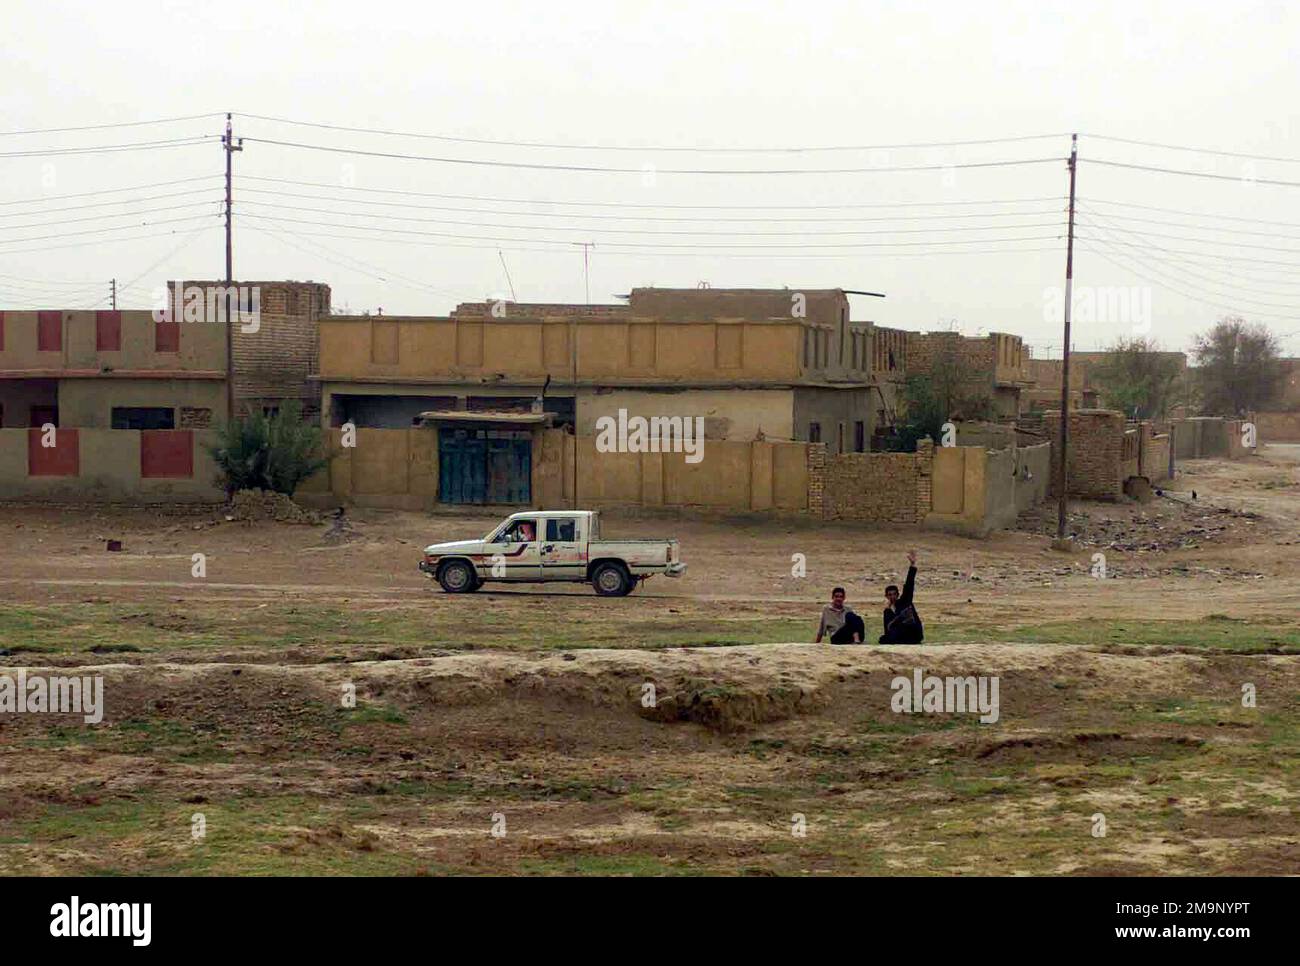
(265, 505)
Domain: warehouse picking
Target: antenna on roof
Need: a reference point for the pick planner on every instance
(513, 297)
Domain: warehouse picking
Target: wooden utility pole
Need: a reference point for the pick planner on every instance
(1065, 351)
(230, 147)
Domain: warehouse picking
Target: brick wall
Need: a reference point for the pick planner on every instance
(1277, 427)
(274, 363)
(817, 479)
(1095, 455)
(877, 487)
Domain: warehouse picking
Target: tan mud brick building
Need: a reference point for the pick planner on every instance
(107, 406)
(761, 365)
(115, 406)
(993, 366)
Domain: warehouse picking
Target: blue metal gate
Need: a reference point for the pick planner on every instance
(484, 465)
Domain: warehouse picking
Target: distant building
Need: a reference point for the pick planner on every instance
(993, 366)
(767, 364)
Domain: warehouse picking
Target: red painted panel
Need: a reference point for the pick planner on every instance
(167, 453)
(167, 336)
(49, 331)
(108, 331)
(61, 459)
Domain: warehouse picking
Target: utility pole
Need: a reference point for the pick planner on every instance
(112, 293)
(230, 147)
(1065, 344)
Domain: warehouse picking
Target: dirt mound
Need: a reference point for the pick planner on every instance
(258, 506)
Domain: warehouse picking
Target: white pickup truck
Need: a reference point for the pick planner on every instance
(543, 545)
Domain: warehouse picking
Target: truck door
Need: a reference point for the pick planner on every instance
(564, 552)
(515, 549)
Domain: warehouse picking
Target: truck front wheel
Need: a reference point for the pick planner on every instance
(457, 577)
(611, 580)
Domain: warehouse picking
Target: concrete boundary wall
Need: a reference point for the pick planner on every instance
(1277, 427)
(967, 488)
(109, 467)
(1210, 437)
(399, 468)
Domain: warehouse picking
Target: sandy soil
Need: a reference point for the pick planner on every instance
(224, 699)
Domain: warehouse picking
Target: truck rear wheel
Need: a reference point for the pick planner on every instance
(458, 577)
(611, 580)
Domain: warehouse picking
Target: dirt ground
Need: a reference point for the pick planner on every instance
(510, 731)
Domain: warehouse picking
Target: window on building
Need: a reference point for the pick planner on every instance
(562, 531)
(859, 436)
(814, 432)
(839, 439)
(40, 415)
(144, 417)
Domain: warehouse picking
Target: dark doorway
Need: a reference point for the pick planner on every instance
(484, 465)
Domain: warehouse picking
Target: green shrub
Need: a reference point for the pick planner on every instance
(259, 452)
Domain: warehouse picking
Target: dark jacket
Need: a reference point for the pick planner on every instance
(902, 622)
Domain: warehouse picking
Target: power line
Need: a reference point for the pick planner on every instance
(1214, 255)
(96, 241)
(566, 246)
(698, 149)
(729, 172)
(1195, 285)
(100, 231)
(1193, 174)
(106, 191)
(111, 148)
(1183, 224)
(104, 204)
(651, 231)
(1180, 147)
(113, 214)
(1204, 241)
(666, 245)
(184, 242)
(624, 204)
(1194, 214)
(1210, 273)
(101, 127)
(1194, 298)
(605, 217)
(1171, 273)
(379, 274)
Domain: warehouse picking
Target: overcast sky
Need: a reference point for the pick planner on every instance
(650, 76)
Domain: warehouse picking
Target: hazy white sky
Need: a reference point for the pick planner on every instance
(646, 76)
